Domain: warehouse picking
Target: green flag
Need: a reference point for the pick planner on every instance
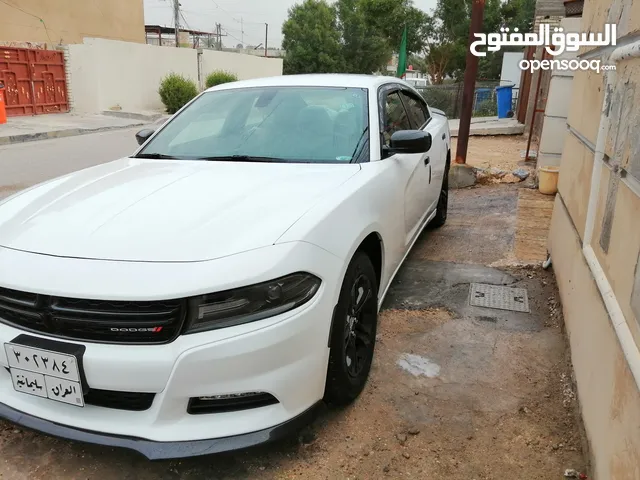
(402, 55)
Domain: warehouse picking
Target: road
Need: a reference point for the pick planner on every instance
(26, 164)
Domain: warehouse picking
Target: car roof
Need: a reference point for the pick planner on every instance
(314, 80)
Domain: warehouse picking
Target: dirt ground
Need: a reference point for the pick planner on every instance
(456, 392)
(497, 151)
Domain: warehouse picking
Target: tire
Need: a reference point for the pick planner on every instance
(443, 202)
(353, 330)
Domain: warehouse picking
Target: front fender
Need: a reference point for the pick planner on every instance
(370, 202)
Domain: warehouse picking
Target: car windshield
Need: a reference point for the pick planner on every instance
(279, 124)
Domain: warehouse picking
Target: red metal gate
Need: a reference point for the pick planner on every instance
(34, 81)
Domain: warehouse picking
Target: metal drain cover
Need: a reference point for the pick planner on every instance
(503, 298)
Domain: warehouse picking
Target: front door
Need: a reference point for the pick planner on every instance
(413, 169)
(421, 120)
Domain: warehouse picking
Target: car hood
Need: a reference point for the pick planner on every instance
(163, 210)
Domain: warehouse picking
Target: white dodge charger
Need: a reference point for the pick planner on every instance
(207, 292)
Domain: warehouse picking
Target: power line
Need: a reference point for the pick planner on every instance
(46, 30)
(234, 37)
(235, 19)
(219, 7)
(185, 21)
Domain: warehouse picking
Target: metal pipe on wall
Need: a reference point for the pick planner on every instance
(616, 315)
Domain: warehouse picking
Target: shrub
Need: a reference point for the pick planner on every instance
(219, 77)
(486, 108)
(176, 91)
(443, 97)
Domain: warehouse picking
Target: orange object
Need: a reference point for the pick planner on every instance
(3, 110)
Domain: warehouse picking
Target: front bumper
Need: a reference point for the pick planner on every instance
(285, 356)
(163, 450)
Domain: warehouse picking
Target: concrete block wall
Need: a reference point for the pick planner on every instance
(65, 52)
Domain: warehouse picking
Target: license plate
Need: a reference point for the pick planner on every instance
(45, 373)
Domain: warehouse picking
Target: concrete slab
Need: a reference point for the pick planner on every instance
(42, 127)
(480, 228)
(489, 126)
(424, 284)
(461, 176)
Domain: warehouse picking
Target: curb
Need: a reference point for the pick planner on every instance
(70, 132)
(486, 131)
(134, 116)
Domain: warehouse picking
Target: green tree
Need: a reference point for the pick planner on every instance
(520, 14)
(364, 49)
(389, 17)
(355, 36)
(447, 39)
(311, 39)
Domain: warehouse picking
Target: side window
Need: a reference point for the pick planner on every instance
(417, 110)
(395, 117)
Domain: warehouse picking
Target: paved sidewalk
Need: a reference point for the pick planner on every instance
(489, 126)
(42, 127)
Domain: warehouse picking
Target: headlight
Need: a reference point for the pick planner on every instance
(248, 304)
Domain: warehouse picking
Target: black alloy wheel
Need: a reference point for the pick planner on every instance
(359, 325)
(353, 333)
(443, 201)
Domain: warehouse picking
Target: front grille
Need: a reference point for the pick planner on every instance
(136, 402)
(93, 320)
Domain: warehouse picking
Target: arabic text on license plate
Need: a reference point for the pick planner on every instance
(45, 373)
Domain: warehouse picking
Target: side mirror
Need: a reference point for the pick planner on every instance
(410, 141)
(143, 135)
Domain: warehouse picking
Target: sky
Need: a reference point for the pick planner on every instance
(235, 16)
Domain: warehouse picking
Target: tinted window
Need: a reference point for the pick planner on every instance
(395, 117)
(417, 110)
(288, 124)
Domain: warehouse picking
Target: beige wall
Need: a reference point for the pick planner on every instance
(106, 74)
(609, 398)
(69, 21)
(604, 335)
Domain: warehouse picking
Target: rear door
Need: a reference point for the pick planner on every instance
(421, 120)
(413, 169)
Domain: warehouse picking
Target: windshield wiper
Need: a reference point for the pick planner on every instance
(243, 158)
(156, 156)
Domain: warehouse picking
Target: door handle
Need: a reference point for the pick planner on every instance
(444, 135)
(426, 160)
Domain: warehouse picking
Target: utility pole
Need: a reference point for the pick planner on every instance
(219, 32)
(242, 30)
(176, 20)
(468, 89)
(266, 40)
